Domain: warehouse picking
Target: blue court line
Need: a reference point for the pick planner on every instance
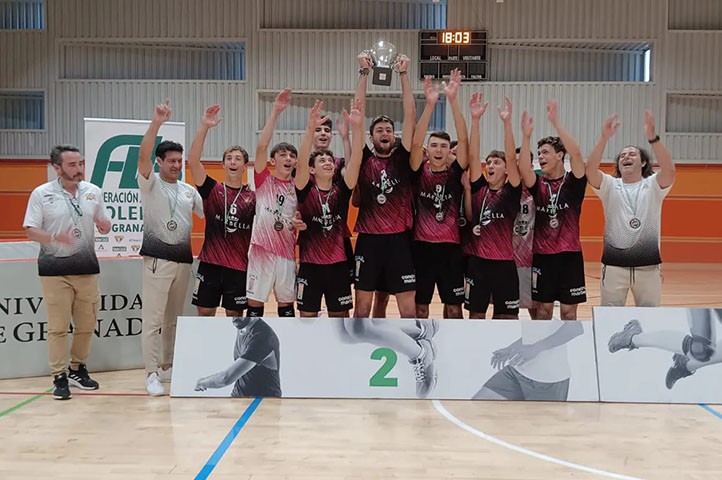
(221, 450)
(711, 410)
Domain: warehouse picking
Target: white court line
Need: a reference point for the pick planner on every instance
(440, 408)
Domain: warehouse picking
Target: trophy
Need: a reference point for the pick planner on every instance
(384, 59)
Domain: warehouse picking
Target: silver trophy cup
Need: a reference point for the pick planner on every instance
(384, 57)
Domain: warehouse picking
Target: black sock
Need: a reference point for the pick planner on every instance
(255, 311)
(286, 311)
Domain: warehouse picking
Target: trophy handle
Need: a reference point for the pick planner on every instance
(369, 53)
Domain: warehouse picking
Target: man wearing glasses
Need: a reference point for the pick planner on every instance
(61, 216)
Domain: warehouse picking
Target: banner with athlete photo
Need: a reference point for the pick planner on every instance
(385, 358)
(659, 355)
(111, 163)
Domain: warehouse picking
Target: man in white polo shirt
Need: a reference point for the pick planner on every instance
(632, 200)
(168, 207)
(61, 216)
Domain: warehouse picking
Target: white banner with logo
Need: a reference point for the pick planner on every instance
(659, 355)
(111, 163)
(24, 322)
(363, 358)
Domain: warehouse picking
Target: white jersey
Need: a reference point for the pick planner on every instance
(53, 209)
(633, 218)
(275, 205)
(168, 217)
(551, 365)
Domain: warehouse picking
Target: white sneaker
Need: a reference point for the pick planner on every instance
(165, 375)
(153, 385)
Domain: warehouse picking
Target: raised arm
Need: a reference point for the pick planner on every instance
(594, 175)
(451, 91)
(208, 120)
(160, 116)
(357, 121)
(431, 92)
(667, 170)
(365, 64)
(407, 129)
(343, 132)
(283, 100)
(525, 168)
(477, 109)
(512, 169)
(466, 184)
(315, 120)
(570, 144)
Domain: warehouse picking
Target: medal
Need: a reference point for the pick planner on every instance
(381, 198)
(278, 225)
(635, 223)
(477, 230)
(439, 216)
(171, 225)
(77, 233)
(554, 222)
(462, 221)
(553, 207)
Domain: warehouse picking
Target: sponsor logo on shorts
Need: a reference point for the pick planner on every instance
(459, 291)
(408, 279)
(468, 283)
(359, 261)
(578, 292)
(300, 287)
(512, 304)
(345, 300)
(535, 273)
(251, 283)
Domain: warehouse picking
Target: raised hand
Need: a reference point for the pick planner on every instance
(451, 89)
(342, 125)
(505, 113)
(404, 63)
(431, 91)
(553, 111)
(162, 112)
(210, 116)
(649, 127)
(315, 117)
(476, 107)
(283, 100)
(610, 127)
(356, 117)
(364, 60)
(527, 124)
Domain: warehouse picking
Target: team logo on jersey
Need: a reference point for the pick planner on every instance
(89, 197)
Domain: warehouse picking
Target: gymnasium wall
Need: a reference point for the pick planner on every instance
(573, 50)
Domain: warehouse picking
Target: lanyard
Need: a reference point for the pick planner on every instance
(280, 200)
(74, 208)
(482, 221)
(174, 205)
(327, 219)
(554, 200)
(439, 200)
(628, 198)
(225, 207)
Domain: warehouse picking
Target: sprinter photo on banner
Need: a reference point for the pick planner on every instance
(660, 355)
(111, 163)
(385, 358)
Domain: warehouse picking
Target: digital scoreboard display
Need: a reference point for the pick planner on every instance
(441, 51)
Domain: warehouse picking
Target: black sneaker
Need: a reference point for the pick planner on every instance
(62, 390)
(80, 378)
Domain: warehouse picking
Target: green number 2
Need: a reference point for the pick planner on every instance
(379, 378)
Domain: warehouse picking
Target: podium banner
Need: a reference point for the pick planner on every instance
(365, 358)
(659, 355)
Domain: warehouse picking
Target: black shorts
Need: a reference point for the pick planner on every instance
(220, 285)
(330, 281)
(442, 265)
(491, 278)
(384, 262)
(559, 276)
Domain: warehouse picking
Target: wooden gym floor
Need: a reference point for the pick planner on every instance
(120, 433)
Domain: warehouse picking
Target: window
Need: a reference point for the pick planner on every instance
(22, 14)
(22, 110)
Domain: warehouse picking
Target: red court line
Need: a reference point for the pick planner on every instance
(82, 394)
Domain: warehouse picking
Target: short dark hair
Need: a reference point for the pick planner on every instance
(380, 119)
(235, 148)
(442, 135)
(318, 153)
(453, 143)
(56, 154)
(328, 123)
(167, 146)
(497, 154)
(531, 154)
(555, 142)
(646, 162)
(283, 147)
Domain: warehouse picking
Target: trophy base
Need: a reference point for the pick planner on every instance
(382, 76)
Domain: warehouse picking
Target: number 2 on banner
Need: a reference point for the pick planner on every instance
(379, 379)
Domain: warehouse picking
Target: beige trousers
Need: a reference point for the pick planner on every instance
(645, 283)
(165, 285)
(66, 297)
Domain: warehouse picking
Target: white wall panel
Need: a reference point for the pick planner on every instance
(695, 15)
(352, 14)
(136, 100)
(151, 18)
(693, 61)
(559, 18)
(694, 113)
(582, 110)
(695, 148)
(25, 60)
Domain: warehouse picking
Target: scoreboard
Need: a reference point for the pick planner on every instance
(441, 51)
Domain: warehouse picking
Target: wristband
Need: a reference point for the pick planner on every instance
(654, 140)
(363, 71)
(404, 73)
